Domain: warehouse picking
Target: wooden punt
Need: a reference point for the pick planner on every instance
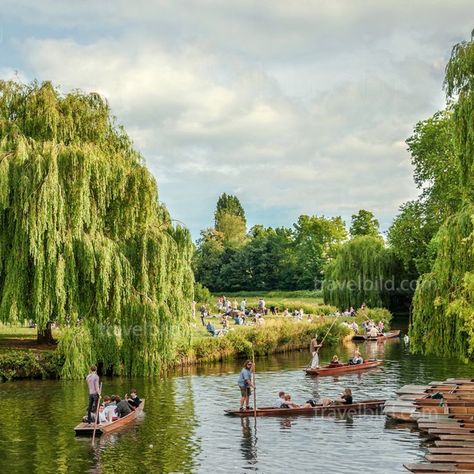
(382, 337)
(343, 368)
(84, 429)
(366, 406)
(445, 468)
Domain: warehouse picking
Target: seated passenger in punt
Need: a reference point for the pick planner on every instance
(110, 407)
(280, 400)
(123, 408)
(344, 399)
(133, 400)
(335, 362)
(357, 359)
(289, 403)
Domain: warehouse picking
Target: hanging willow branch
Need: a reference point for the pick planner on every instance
(84, 241)
(443, 317)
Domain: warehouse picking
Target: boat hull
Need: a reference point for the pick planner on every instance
(345, 369)
(382, 337)
(366, 407)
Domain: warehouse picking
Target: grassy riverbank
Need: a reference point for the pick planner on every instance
(21, 357)
(20, 360)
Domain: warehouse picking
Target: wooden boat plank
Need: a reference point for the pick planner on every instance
(399, 403)
(430, 468)
(454, 459)
(461, 443)
(450, 431)
(411, 389)
(456, 437)
(451, 450)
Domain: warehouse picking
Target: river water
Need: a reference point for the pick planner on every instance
(184, 429)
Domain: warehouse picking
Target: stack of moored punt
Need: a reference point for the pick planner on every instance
(449, 421)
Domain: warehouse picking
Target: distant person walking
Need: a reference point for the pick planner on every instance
(92, 381)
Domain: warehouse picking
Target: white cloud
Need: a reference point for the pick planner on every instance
(298, 107)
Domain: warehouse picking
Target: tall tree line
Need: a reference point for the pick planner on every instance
(228, 258)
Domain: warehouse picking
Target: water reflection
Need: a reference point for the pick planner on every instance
(183, 428)
(248, 444)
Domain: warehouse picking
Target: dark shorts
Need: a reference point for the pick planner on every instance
(245, 391)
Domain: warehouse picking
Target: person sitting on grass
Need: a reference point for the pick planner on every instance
(211, 329)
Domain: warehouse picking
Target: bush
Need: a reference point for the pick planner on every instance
(201, 294)
(15, 364)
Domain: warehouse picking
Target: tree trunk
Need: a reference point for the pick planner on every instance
(45, 336)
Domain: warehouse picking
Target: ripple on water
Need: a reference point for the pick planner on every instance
(184, 429)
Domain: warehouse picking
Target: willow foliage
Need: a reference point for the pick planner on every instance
(84, 241)
(358, 274)
(443, 318)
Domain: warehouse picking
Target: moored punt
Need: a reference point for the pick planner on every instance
(381, 337)
(367, 406)
(445, 468)
(343, 368)
(448, 418)
(84, 429)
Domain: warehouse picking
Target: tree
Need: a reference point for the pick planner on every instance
(363, 271)
(436, 166)
(230, 220)
(207, 258)
(410, 237)
(84, 241)
(364, 223)
(443, 315)
(316, 239)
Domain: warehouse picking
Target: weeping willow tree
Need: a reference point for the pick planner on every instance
(443, 317)
(359, 274)
(84, 241)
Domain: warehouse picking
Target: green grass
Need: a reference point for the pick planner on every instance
(310, 301)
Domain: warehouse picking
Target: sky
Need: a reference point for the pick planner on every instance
(296, 107)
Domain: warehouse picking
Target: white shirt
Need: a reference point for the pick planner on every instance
(279, 402)
(111, 409)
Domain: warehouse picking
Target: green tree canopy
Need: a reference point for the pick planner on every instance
(316, 240)
(364, 223)
(359, 274)
(443, 316)
(84, 241)
(230, 220)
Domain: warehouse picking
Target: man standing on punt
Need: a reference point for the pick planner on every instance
(245, 384)
(92, 381)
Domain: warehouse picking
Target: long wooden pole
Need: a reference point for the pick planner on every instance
(326, 335)
(254, 387)
(96, 414)
(329, 330)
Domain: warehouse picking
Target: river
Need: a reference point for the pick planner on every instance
(184, 429)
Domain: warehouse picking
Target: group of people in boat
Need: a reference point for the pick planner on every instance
(284, 400)
(246, 384)
(355, 360)
(314, 349)
(112, 407)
